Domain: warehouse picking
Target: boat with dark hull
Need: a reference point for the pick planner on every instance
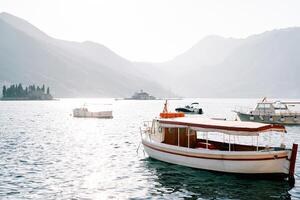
(194, 108)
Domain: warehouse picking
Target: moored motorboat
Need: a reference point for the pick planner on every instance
(176, 140)
(271, 112)
(84, 112)
(193, 108)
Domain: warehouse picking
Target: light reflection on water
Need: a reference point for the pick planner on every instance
(47, 154)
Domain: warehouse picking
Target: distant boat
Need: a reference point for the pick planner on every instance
(276, 112)
(84, 112)
(192, 108)
(141, 95)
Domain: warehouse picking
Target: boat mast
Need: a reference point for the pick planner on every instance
(165, 110)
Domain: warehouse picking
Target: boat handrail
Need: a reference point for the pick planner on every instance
(146, 128)
(265, 112)
(285, 113)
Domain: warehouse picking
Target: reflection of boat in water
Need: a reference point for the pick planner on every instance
(175, 140)
(84, 112)
(175, 180)
(276, 112)
(141, 95)
(193, 108)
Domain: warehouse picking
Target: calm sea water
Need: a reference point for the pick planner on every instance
(45, 153)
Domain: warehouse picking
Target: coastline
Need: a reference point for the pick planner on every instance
(27, 99)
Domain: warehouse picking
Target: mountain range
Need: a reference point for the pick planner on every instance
(265, 64)
(71, 69)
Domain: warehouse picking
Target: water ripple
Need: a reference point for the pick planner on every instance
(47, 154)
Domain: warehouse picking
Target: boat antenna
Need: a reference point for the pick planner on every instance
(264, 99)
(166, 107)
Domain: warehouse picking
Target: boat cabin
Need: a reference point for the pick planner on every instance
(265, 108)
(270, 108)
(194, 133)
(180, 137)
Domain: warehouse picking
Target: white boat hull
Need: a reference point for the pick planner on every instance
(230, 162)
(88, 114)
(271, 119)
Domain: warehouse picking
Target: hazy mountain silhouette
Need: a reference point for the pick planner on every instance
(71, 69)
(266, 64)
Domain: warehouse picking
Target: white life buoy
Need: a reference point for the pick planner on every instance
(295, 119)
(271, 118)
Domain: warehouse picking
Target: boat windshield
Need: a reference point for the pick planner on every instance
(280, 106)
(194, 105)
(263, 106)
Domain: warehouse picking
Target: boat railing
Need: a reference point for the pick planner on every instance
(146, 128)
(264, 112)
(283, 113)
(289, 113)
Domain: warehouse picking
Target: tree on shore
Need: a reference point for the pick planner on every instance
(4, 91)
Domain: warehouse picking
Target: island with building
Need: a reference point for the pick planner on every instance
(141, 95)
(31, 92)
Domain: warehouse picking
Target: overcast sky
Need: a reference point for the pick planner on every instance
(153, 30)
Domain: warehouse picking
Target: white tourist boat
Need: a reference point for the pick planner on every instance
(84, 112)
(177, 140)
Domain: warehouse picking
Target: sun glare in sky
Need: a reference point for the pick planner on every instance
(154, 30)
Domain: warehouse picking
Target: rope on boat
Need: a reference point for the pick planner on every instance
(137, 150)
(297, 175)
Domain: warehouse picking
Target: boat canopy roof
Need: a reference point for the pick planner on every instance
(227, 127)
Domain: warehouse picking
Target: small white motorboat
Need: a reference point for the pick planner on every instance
(177, 139)
(84, 112)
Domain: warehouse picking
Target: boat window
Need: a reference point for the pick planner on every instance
(172, 130)
(263, 106)
(182, 130)
(280, 106)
